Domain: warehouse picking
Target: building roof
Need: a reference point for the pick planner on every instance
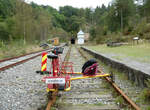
(80, 32)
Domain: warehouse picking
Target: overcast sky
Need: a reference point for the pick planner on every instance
(75, 3)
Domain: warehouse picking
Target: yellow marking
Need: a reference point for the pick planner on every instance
(48, 90)
(84, 77)
(44, 57)
(68, 89)
(43, 67)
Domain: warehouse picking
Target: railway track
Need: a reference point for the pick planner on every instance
(128, 100)
(10, 62)
(6, 59)
(89, 94)
(20, 86)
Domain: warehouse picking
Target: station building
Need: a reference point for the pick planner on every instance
(81, 37)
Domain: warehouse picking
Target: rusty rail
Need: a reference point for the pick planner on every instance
(52, 101)
(128, 100)
(6, 59)
(19, 62)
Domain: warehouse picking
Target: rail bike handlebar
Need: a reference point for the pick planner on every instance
(57, 50)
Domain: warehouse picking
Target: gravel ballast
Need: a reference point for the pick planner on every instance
(21, 87)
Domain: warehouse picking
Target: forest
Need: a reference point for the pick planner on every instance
(120, 21)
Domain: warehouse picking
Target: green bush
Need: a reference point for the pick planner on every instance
(145, 94)
(120, 101)
(142, 29)
(4, 35)
(1, 44)
(117, 37)
(146, 36)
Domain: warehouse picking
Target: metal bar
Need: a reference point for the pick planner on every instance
(73, 73)
(94, 76)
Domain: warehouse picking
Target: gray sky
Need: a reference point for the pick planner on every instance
(75, 3)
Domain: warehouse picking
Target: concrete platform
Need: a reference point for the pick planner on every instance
(136, 71)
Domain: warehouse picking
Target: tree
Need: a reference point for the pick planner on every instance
(124, 10)
(68, 11)
(7, 8)
(147, 8)
(4, 34)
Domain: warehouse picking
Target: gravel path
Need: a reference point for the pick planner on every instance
(21, 87)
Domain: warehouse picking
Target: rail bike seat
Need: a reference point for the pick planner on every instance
(52, 56)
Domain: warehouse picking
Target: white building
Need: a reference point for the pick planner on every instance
(80, 37)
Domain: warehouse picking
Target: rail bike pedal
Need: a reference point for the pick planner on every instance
(43, 72)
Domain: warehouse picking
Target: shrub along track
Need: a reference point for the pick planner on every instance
(88, 94)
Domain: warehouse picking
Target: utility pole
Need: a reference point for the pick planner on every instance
(24, 22)
(121, 20)
(24, 32)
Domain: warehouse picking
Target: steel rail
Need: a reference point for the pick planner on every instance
(19, 62)
(7, 59)
(128, 100)
(123, 94)
(52, 99)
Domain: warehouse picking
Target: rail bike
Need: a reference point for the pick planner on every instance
(59, 75)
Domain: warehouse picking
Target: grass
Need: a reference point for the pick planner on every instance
(140, 52)
(16, 49)
(99, 104)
